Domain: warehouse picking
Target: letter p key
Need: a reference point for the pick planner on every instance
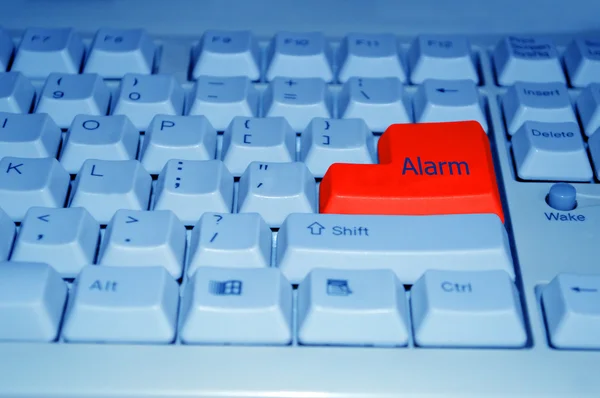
(425, 169)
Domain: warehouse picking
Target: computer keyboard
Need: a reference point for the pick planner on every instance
(268, 211)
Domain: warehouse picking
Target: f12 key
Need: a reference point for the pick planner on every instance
(425, 169)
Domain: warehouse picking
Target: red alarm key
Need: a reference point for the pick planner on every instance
(424, 169)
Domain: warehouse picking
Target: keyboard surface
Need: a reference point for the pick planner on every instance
(236, 207)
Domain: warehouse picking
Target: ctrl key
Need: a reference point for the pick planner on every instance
(122, 305)
(467, 309)
(571, 304)
(32, 298)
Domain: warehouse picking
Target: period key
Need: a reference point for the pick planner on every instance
(425, 169)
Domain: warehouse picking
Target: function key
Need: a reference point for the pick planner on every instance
(582, 61)
(541, 102)
(299, 55)
(44, 51)
(227, 53)
(116, 52)
(572, 309)
(588, 107)
(6, 50)
(370, 55)
(441, 57)
(527, 59)
(448, 101)
(551, 152)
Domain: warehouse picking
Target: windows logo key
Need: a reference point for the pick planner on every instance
(225, 288)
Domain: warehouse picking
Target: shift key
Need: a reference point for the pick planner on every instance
(407, 245)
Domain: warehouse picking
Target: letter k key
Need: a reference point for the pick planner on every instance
(424, 169)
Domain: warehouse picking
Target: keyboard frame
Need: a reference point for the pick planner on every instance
(103, 370)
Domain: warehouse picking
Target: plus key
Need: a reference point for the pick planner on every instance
(424, 169)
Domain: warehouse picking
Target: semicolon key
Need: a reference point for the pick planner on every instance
(425, 169)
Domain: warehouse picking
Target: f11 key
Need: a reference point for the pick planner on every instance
(425, 169)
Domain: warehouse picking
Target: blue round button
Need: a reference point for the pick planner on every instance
(562, 196)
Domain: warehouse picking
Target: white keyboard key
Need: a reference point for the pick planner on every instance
(141, 97)
(443, 58)
(250, 139)
(177, 137)
(352, 307)
(379, 102)
(370, 55)
(105, 186)
(122, 304)
(28, 135)
(229, 240)
(117, 52)
(8, 231)
(297, 100)
(527, 59)
(32, 298)
(588, 107)
(65, 96)
(448, 101)
(237, 306)
(65, 239)
(329, 141)
(44, 51)
(144, 238)
(571, 305)
(582, 61)
(98, 137)
(275, 190)
(539, 102)
(29, 182)
(189, 188)
(299, 55)
(594, 148)
(551, 152)
(467, 309)
(16, 93)
(221, 99)
(227, 53)
(6, 50)
(408, 245)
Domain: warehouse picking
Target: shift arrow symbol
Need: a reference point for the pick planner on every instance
(316, 228)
